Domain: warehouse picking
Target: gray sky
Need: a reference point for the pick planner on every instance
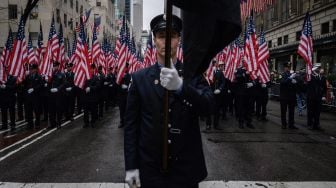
(151, 8)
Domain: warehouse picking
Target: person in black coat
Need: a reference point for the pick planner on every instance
(144, 121)
(101, 91)
(122, 96)
(219, 88)
(7, 102)
(32, 85)
(316, 93)
(262, 100)
(90, 98)
(111, 85)
(56, 95)
(69, 102)
(288, 86)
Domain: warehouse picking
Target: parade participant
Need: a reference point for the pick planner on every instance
(316, 93)
(32, 85)
(122, 96)
(90, 98)
(262, 100)
(56, 96)
(101, 91)
(243, 102)
(69, 102)
(7, 101)
(219, 88)
(110, 79)
(44, 96)
(288, 86)
(143, 120)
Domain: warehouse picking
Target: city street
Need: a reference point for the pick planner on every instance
(234, 157)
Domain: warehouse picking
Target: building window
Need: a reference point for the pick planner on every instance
(270, 44)
(34, 37)
(81, 9)
(325, 28)
(65, 20)
(286, 39)
(65, 1)
(12, 12)
(34, 13)
(279, 41)
(334, 25)
(77, 6)
(98, 3)
(298, 35)
(71, 3)
(58, 16)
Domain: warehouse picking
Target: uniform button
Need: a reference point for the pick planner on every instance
(190, 105)
(184, 101)
(169, 141)
(169, 125)
(187, 103)
(169, 110)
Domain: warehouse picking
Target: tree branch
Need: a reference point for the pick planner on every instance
(29, 7)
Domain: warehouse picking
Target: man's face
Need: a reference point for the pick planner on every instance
(55, 68)
(160, 40)
(221, 67)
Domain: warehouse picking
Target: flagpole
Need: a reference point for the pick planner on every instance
(168, 15)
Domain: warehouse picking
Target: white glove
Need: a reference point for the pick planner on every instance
(263, 85)
(123, 86)
(133, 178)
(68, 88)
(293, 81)
(229, 91)
(292, 76)
(3, 86)
(249, 85)
(111, 85)
(105, 83)
(324, 99)
(46, 85)
(46, 78)
(29, 91)
(170, 79)
(53, 90)
(87, 90)
(217, 91)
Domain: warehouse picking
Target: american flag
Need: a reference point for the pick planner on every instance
(209, 74)
(81, 68)
(45, 67)
(4, 61)
(251, 47)
(247, 6)
(123, 52)
(95, 26)
(84, 18)
(149, 52)
(61, 50)
(18, 56)
(32, 59)
(40, 49)
(305, 49)
(96, 50)
(133, 62)
(263, 59)
(233, 60)
(74, 44)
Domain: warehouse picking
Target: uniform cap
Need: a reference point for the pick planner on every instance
(56, 63)
(159, 23)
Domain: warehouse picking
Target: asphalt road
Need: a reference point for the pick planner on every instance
(74, 154)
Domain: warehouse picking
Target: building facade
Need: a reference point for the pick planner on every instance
(137, 20)
(283, 22)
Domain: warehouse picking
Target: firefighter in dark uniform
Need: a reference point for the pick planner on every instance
(144, 121)
(32, 86)
(44, 98)
(20, 100)
(262, 100)
(122, 96)
(219, 88)
(110, 79)
(7, 102)
(90, 98)
(316, 93)
(243, 100)
(69, 102)
(56, 96)
(288, 86)
(101, 92)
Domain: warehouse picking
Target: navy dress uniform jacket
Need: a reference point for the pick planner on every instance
(143, 130)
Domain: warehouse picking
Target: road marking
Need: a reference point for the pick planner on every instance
(18, 126)
(31, 142)
(205, 184)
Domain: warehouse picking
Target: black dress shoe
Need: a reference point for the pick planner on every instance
(241, 125)
(208, 127)
(318, 128)
(283, 127)
(249, 125)
(292, 127)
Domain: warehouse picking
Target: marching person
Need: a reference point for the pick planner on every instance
(7, 102)
(32, 86)
(44, 98)
(101, 91)
(144, 121)
(262, 100)
(56, 95)
(288, 86)
(316, 93)
(69, 102)
(110, 79)
(90, 98)
(122, 96)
